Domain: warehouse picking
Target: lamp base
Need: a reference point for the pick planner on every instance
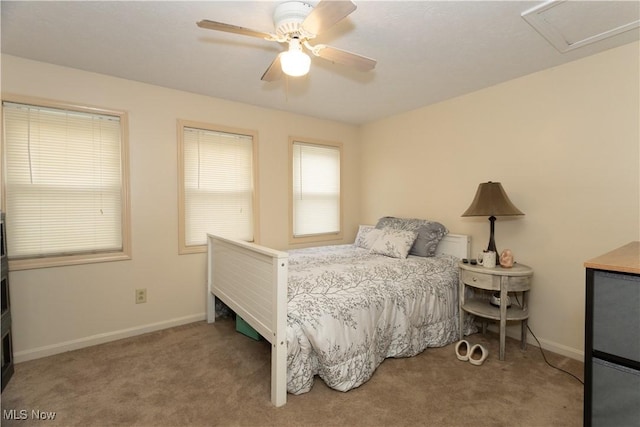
(492, 241)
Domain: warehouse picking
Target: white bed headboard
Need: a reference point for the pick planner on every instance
(458, 245)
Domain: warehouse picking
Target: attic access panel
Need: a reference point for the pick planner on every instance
(568, 25)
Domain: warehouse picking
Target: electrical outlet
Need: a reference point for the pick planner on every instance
(141, 296)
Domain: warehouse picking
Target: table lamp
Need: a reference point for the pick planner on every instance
(491, 200)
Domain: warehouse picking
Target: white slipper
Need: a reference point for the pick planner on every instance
(478, 354)
(463, 350)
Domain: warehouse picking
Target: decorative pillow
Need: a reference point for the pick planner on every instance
(394, 243)
(429, 233)
(367, 235)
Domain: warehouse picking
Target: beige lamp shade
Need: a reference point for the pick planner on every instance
(491, 200)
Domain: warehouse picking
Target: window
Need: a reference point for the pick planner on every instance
(66, 186)
(315, 188)
(217, 184)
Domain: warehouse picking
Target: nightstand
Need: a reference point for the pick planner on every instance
(485, 281)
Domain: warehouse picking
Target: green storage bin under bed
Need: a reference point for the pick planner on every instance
(246, 329)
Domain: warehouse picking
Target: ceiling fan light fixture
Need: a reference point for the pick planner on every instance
(296, 22)
(295, 62)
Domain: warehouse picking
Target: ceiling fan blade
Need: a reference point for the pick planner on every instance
(274, 72)
(326, 14)
(343, 57)
(219, 26)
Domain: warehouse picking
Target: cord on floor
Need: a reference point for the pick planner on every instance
(542, 351)
(545, 358)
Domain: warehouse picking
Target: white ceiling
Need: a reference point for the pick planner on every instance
(427, 51)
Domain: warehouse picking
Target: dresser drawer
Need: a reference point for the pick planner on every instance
(616, 314)
(479, 280)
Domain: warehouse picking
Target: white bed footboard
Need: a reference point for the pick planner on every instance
(252, 281)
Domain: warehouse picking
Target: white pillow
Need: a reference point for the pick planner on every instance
(367, 235)
(394, 243)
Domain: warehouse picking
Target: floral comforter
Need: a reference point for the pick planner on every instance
(349, 310)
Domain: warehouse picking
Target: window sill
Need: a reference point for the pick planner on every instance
(61, 261)
(316, 238)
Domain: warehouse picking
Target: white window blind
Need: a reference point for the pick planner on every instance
(63, 181)
(316, 189)
(218, 185)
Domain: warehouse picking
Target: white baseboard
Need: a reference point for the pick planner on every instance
(50, 350)
(560, 349)
(552, 346)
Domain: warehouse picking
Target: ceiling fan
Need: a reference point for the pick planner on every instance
(296, 23)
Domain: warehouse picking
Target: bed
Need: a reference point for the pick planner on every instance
(338, 311)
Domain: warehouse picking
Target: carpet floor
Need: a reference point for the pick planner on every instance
(210, 375)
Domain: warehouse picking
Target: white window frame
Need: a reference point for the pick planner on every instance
(183, 248)
(82, 258)
(319, 237)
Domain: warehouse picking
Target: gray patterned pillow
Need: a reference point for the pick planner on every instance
(429, 233)
(367, 235)
(394, 243)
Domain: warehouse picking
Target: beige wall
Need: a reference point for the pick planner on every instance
(564, 143)
(57, 309)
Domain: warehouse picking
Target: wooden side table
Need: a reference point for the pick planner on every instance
(516, 279)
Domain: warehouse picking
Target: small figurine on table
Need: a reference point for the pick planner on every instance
(506, 259)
